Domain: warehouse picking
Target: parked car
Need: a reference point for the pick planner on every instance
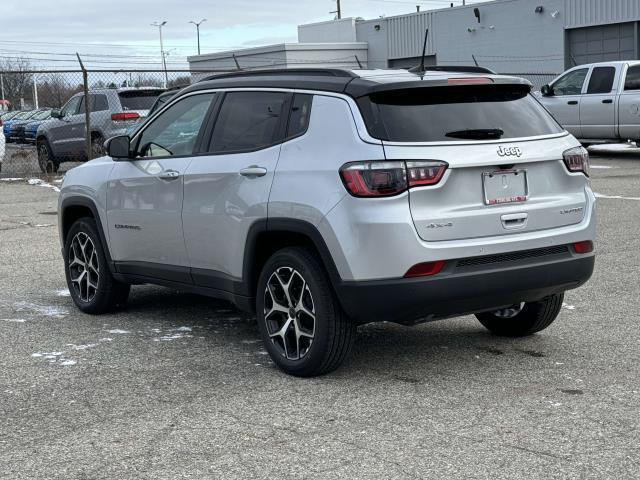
(598, 102)
(17, 131)
(324, 199)
(112, 112)
(2, 147)
(6, 125)
(162, 99)
(8, 115)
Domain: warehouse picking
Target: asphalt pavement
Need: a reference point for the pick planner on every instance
(179, 386)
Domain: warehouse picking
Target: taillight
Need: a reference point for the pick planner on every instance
(385, 179)
(577, 160)
(125, 116)
(583, 247)
(425, 269)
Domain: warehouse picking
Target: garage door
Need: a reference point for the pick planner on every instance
(603, 43)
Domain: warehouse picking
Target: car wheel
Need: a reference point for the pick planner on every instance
(521, 321)
(302, 324)
(46, 160)
(97, 146)
(92, 287)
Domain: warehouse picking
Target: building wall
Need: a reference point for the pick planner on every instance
(584, 13)
(340, 55)
(374, 33)
(333, 31)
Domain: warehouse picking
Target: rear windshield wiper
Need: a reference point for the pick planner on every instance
(477, 134)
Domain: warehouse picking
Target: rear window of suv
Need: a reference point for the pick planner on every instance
(138, 99)
(456, 113)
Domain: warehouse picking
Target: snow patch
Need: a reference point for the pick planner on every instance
(63, 292)
(117, 331)
(14, 320)
(41, 183)
(603, 167)
(616, 197)
(182, 329)
(11, 179)
(67, 363)
(567, 306)
(46, 310)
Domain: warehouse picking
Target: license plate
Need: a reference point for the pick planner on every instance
(505, 186)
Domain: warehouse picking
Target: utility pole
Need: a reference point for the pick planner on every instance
(197, 24)
(338, 10)
(164, 61)
(35, 91)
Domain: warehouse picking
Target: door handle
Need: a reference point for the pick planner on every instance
(253, 171)
(607, 100)
(572, 102)
(169, 175)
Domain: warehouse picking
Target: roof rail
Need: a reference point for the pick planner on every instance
(274, 72)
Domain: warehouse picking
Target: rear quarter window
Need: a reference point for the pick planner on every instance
(456, 113)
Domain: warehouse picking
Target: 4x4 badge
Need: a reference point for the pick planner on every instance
(509, 152)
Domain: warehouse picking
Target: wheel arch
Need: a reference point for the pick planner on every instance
(265, 237)
(76, 207)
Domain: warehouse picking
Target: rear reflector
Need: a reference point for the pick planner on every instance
(125, 116)
(425, 269)
(583, 247)
(470, 81)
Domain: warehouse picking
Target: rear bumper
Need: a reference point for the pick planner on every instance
(459, 291)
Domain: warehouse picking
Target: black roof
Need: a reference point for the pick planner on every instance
(337, 80)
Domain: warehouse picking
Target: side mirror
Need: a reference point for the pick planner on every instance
(118, 147)
(56, 113)
(546, 91)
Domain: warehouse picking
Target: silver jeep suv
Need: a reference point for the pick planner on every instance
(112, 112)
(326, 199)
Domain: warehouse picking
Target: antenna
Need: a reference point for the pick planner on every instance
(424, 49)
(474, 60)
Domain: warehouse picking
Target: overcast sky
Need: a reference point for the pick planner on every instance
(122, 28)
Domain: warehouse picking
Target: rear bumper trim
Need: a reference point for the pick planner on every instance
(455, 293)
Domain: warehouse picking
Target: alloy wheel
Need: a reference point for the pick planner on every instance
(84, 270)
(289, 313)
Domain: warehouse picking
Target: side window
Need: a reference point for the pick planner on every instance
(633, 78)
(71, 107)
(100, 103)
(601, 80)
(300, 115)
(175, 131)
(571, 83)
(248, 121)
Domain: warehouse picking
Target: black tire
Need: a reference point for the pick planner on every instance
(97, 146)
(46, 160)
(333, 332)
(534, 317)
(108, 294)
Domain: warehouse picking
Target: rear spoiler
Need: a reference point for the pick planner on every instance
(361, 87)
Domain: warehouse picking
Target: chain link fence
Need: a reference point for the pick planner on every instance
(46, 126)
(45, 115)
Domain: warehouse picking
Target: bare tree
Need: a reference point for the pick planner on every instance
(55, 89)
(17, 82)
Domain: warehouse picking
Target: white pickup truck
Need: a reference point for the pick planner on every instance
(598, 102)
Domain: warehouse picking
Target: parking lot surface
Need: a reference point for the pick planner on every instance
(179, 386)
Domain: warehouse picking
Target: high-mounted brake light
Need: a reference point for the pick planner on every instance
(385, 179)
(577, 160)
(470, 81)
(124, 116)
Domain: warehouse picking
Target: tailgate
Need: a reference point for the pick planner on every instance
(467, 204)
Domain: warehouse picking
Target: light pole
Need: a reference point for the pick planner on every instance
(164, 62)
(197, 24)
(35, 91)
